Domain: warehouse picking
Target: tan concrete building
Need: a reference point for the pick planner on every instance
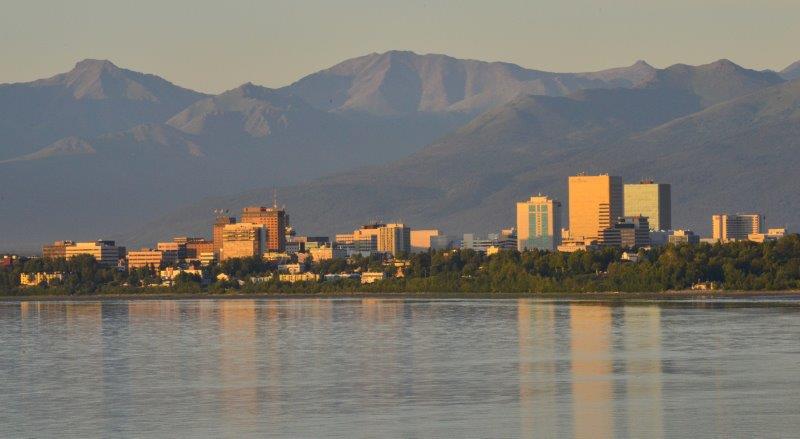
(394, 239)
(421, 239)
(595, 202)
(105, 252)
(650, 199)
(538, 224)
(146, 257)
(274, 221)
(242, 240)
(728, 227)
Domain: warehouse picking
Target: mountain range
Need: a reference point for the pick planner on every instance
(428, 139)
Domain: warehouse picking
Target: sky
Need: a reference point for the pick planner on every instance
(213, 46)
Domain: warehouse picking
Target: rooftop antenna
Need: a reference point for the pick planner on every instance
(274, 198)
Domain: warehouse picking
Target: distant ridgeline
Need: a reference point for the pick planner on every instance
(736, 265)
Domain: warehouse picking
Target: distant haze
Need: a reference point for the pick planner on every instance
(210, 46)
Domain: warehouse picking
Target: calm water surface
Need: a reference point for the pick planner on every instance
(397, 368)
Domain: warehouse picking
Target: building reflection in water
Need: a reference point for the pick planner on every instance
(642, 333)
(592, 368)
(537, 369)
(384, 358)
(238, 373)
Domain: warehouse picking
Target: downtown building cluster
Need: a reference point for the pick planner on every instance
(603, 211)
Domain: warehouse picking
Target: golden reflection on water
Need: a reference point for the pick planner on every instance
(537, 369)
(642, 332)
(382, 310)
(592, 367)
(142, 312)
(237, 362)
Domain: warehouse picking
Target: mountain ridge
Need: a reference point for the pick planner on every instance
(434, 82)
(468, 180)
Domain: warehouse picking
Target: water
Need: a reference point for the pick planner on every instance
(394, 368)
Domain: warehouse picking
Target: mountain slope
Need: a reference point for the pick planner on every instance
(247, 137)
(93, 98)
(739, 155)
(791, 72)
(398, 82)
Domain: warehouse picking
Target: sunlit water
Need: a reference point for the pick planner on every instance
(394, 368)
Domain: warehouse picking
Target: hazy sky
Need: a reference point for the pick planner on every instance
(214, 45)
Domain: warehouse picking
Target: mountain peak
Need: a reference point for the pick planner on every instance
(725, 64)
(90, 63)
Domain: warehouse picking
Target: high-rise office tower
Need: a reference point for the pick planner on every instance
(650, 199)
(538, 224)
(727, 227)
(273, 219)
(595, 203)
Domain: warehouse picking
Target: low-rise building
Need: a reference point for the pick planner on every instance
(683, 237)
(629, 257)
(505, 240)
(170, 273)
(8, 261)
(207, 258)
(341, 276)
(40, 278)
(627, 232)
(327, 253)
(771, 235)
(298, 277)
(369, 277)
(145, 257)
(105, 252)
(290, 268)
(276, 256)
(572, 245)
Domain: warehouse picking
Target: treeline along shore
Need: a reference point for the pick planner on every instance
(734, 266)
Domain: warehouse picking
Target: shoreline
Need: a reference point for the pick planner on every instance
(667, 296)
